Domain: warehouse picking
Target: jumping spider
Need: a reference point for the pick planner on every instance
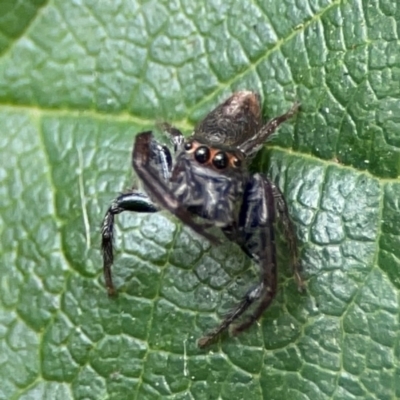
(208, 178)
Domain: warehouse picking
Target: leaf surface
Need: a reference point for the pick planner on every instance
(78, 80)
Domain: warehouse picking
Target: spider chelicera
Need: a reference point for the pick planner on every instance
(208, 177)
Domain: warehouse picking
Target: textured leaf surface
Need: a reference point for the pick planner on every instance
(77, 81)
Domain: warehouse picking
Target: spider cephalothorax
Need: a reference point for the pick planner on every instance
(208, 178)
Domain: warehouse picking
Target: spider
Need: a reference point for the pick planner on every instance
(206, 183)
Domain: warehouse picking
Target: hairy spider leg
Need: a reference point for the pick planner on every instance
(289, 232)
(175, 135)
(134, 201)
(252, 145)
(255, 234)
(158, 189)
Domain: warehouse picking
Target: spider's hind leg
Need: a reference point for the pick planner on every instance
(289, 232)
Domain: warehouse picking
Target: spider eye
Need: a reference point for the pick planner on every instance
(202, 154)
(237, 163)
(188, 145)
(220, 160)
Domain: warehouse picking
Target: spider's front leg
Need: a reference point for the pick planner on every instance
(135, 201)
(254, 232)
(158, 189)
(175, 135)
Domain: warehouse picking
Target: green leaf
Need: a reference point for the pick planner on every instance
(78, 80)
